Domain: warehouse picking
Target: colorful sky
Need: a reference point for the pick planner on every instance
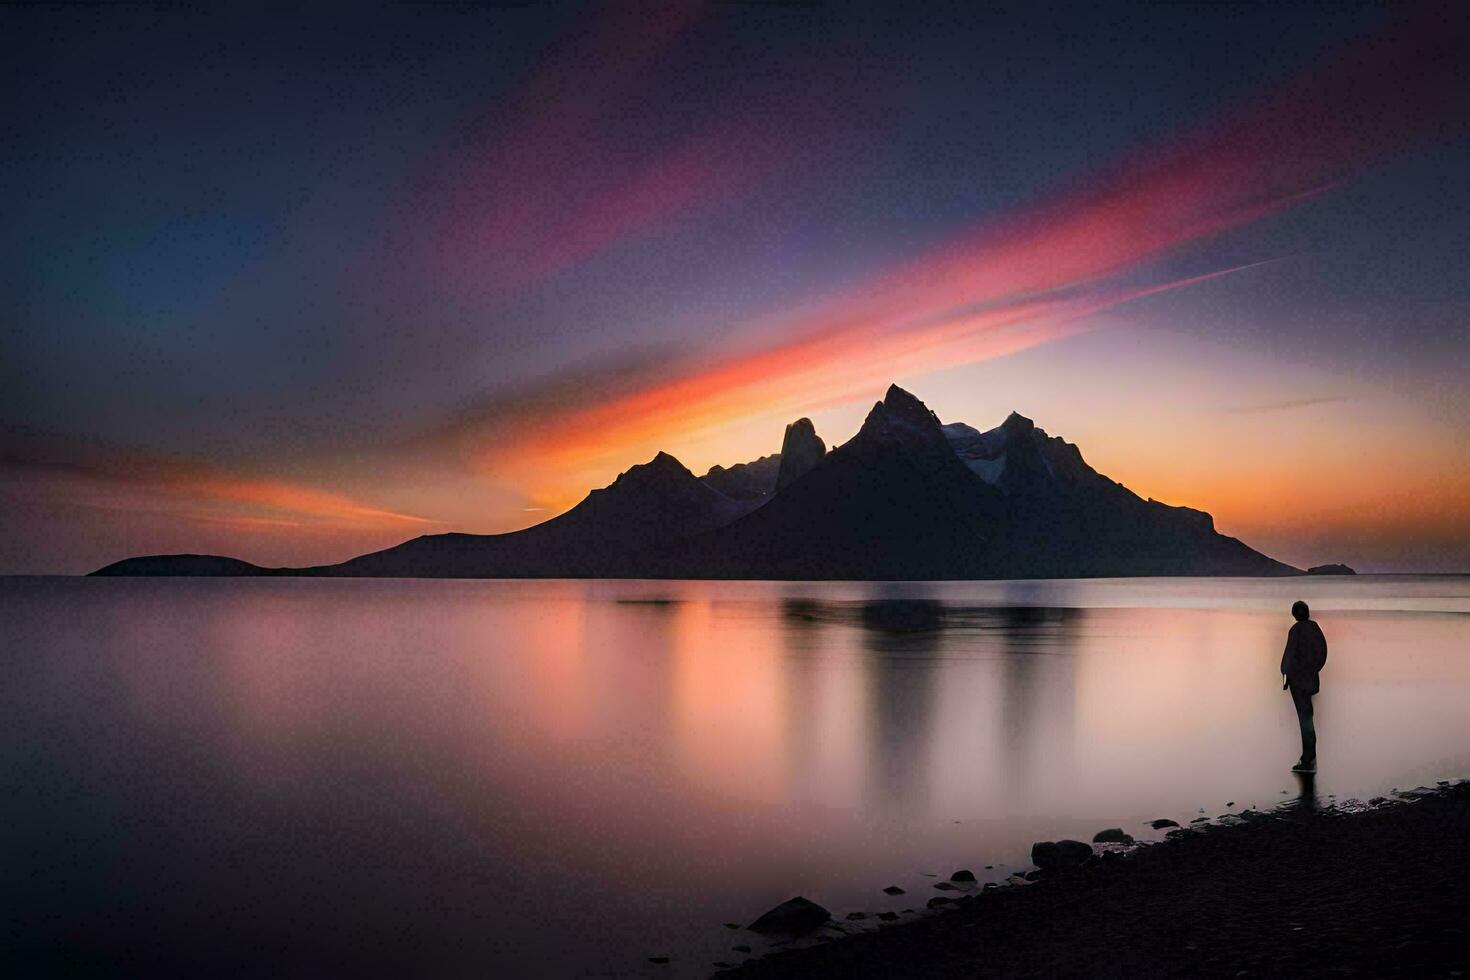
(295, 287)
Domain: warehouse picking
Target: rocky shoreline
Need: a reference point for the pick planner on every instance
(1377, 888)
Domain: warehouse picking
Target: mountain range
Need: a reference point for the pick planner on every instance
(908, 497)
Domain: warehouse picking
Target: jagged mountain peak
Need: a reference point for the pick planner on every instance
(1017, 425)
(900, 417)
(751, 481)
(662, 479)
(902, 404)
(661, 468)
(801, 449)
(801, 428)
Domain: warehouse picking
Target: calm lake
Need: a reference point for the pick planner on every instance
(454, 778)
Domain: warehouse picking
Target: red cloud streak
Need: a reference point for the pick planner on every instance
(1031, 274)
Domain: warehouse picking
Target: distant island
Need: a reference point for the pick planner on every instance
(1330, 570)
(907, 498)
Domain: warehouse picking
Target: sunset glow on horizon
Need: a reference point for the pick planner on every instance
(1239, 297)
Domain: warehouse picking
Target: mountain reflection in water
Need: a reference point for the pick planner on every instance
(319, 776)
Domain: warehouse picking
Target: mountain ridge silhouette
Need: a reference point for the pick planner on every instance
(907, 497)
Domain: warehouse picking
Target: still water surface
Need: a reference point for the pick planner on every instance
(454, 778)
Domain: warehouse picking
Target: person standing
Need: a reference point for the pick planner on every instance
(1302, 663)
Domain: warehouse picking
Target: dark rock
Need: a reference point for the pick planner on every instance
(1200, 820)
(1036, 875)
(964, 874)
(945, 886)
(856, 916)
(1160, 824)
(893, 890)
(888, 916)
(939, 903)
(801, 450)
(751, 481)
(794, 916)
(203, 565)
(1181, 832)
(723, 965)
(658, 959)
(732, 925)
(1113, 835)
(742, 948)
(1062, 855)
(1333, 569)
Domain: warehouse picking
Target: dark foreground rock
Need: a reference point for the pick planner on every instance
(1301, 893)
(1113, 835)
(1062, 855)
(795, 916)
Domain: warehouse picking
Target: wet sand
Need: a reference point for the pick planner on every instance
(1300, 891)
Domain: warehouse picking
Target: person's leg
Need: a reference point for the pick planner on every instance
(1303, 702)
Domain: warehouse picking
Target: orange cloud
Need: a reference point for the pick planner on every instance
(111, 479)
(286, 498)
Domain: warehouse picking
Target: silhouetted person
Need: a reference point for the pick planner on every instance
(1306, 653)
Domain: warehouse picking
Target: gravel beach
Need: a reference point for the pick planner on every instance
(1301, 891)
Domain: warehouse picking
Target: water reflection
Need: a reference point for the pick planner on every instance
(902, 640)
(1034, 734)
(1005, 712)
(903, 616)
(1306, 798)
(456, 757)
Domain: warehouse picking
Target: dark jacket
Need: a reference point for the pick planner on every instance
(1305, 655)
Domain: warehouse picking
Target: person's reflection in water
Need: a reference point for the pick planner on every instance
(1306, 797)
